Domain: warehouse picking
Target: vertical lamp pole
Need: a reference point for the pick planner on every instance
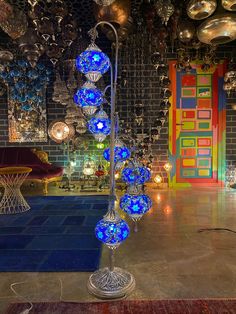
(112, 282)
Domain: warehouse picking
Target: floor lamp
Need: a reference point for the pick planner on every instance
(109, 282)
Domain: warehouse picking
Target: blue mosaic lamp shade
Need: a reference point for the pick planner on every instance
(112, 233)
(145, 175)
(136, 175)
(100, 126)
(93, 63)
(89, 98)
(121, 154)
(135, 205)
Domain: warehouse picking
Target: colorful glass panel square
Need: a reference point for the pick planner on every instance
(188, 152)
(204, 92)
(189, 92)
(188, 142)
(204, 103)
(188, 103)
(188, 173)
(204, 152)
(204, 142)
(188, 125)
(188, 162)
(204, 114)
(204, 172)
(204, 162)
(188, 80)
(204, 126)
(204, 80)
(188, 114)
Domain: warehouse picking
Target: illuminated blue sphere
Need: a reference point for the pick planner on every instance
(89, 97)
(100, 126)
(122, 153)
(93, 63)
(136, 175)
(135, 205)
(112, 233)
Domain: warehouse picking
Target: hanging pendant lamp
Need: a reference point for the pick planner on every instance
(229, 5)
(220, 28)
(201, 9)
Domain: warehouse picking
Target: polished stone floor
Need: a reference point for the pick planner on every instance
(168, 256)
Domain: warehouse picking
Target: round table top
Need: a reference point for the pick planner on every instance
(15, 170)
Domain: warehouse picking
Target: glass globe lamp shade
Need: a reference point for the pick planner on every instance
(136, 175)
(135, 205)
(93, 63)
(100, 145)
(100, 126)
(158, 179)
(81, 126)
(167, 166)
(112, 232)
(88, 170)
(89, 98)
(122, 153)
(59, 131)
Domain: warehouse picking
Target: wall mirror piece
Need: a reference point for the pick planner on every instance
(27, 122)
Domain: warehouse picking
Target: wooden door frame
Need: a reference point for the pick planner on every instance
(221, 131)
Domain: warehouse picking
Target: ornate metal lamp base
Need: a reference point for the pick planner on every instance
(107, 284)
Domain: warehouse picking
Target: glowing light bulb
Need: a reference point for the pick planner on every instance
(167, 166)
(158, 179)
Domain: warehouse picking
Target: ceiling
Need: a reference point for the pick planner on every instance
(81, 9)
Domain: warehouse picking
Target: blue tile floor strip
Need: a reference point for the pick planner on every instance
(56, 234)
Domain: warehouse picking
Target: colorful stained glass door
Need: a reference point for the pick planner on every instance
(196, 126)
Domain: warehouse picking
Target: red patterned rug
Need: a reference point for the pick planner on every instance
(218, 306)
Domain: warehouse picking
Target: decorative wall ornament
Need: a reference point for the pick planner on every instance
(55, 26)
(26, 100)
(164, 9)
(5, 10)
(230, 79)
(31, 46)
(201, 9)
(16, 24)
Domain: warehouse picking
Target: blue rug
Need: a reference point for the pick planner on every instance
(57, 234)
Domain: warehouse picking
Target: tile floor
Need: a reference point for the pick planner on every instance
(168, 256)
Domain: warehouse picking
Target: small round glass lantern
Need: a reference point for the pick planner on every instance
(112, 231)
(158, 179)
(88, 169)
(167, 166)
(100, 126)
(122, 152)
(93, 63)
(135, 205)
(89, 98)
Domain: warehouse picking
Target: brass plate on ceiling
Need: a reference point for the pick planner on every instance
(229, 5)
(201, 9)
(219, 29)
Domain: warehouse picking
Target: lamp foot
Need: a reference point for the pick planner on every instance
(111, 284)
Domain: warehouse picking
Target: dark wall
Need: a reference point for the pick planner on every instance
(139, 83)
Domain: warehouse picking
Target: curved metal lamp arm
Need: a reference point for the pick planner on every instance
(114, 74)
